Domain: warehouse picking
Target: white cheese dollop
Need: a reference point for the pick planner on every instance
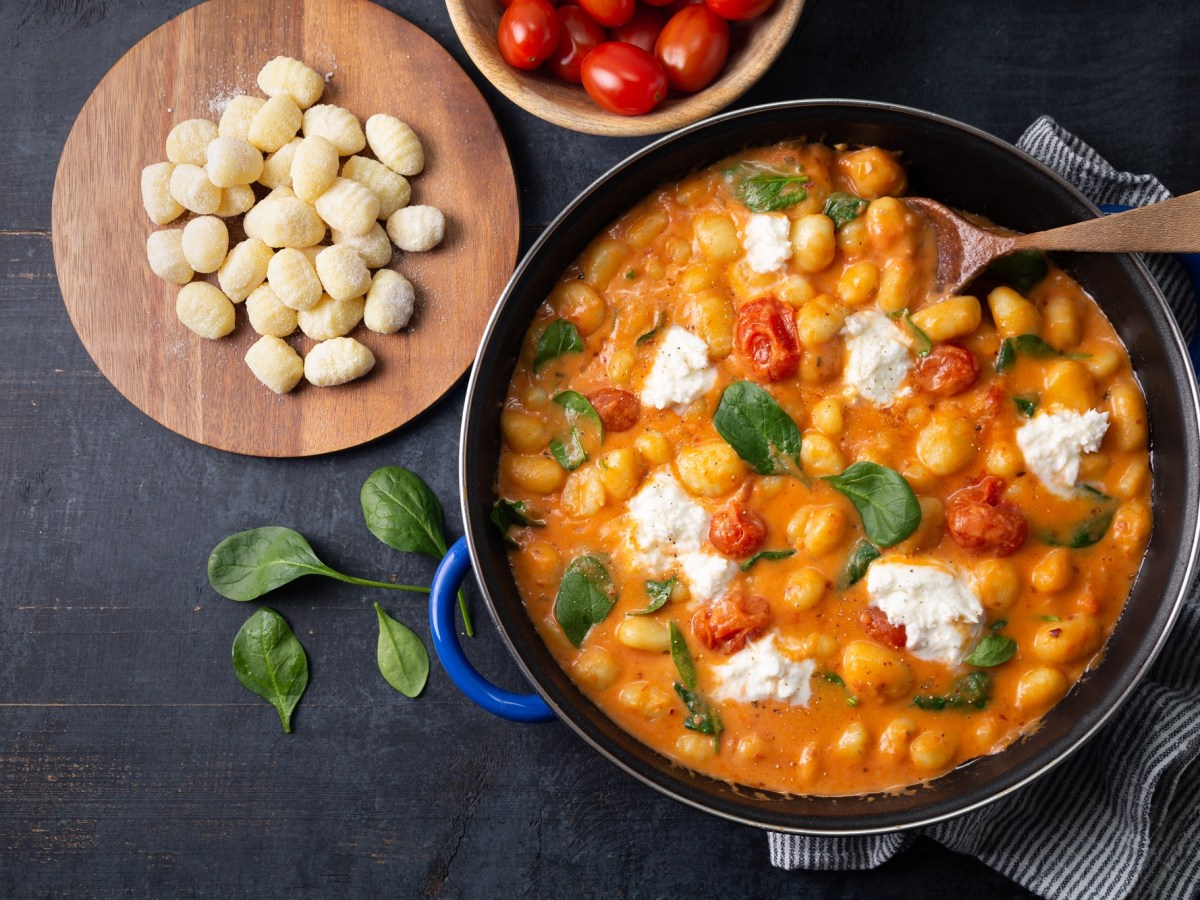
(941, 614)
(1052, 444)
(767, 243)
(668, 530)
(760, 672)
(680, 373)
(877, 357)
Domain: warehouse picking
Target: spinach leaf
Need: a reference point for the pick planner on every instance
(401, 656)
(886, 503)
(769, 555)
(582, 417)
(269, 660)
(682, 657)
(578, 407)
(701, 717)
(251, 563)
(921, 342)
(993, 650)
(508, 514)
(560, 337)
(659, 593)
(998, 624)
(1028, 345)
(569, 455)
(969, 691)
(764, 190)
(860, 559)
(835, 678)
(660, 319)
(758, 429)
(585, 597)
(843, 207)
(1022, 270)
(1088, 532)
(401, 510)
(1027, 404)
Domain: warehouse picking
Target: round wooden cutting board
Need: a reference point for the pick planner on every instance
(189, 68)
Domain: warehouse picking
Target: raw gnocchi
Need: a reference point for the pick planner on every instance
(331, 318)
(164, 250)
(244, 269)
(294, 279)
(284, 75)
(232, 161)
(267, 313)
(314, 167)
(205, 242)
(374, 246)
(205, 310)
(395, 144)
(416, 227)
(348, 206)
(337, 125)
(342, 272)
(188, 141)
(393, 190)
(337, 361)
(238, 114)
(160, 204)
(275, 364)
(390, 302)
(193, 191)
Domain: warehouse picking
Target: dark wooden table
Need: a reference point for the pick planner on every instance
(131, 761)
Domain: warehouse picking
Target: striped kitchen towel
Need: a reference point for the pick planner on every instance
(1121, 818)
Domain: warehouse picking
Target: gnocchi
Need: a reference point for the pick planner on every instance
(337, 361)
(416, 228)
(205, 242)
(275, 364)
(390, 302)
(395, 144)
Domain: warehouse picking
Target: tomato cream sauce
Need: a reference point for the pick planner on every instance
(896, 629)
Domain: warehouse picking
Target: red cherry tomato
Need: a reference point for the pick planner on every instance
(618, 410)
(739, 9)
(528, 33)
(727, 624)
(693, 47)
(643, 29)
(876, 623)
(766, 339)
(947, 371)
(736, 531)
(609, 13)
(579, 36)
(980, 522)
(624, 79)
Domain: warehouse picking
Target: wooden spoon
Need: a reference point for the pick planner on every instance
(964, 250)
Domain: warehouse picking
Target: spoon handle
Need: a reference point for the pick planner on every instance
(1172, 226)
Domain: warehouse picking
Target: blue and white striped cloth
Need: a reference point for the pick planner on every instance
(1121, 818)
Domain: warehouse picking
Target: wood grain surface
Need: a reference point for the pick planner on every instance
(191, 67)
(754, 46)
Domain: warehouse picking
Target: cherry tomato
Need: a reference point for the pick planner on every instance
(737, 531)
(728, 623)
(739, 9)
(624, 79)
(610, 13)
(766, 339)
(876, 624)
(643, 29)
(579, 36)
(528, 33)
(980, 522)
(618, 410)
(947, 371)
(693, 47)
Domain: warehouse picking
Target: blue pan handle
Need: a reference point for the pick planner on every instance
(1191, 263)
(451, 572)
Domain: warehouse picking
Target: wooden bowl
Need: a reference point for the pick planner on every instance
(754, 45)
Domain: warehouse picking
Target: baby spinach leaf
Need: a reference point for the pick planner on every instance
(1027, 404)
(1022, 270)
(251, 563)
(702, 717)
(843, 207)
(269, 660)
(758, 429)
(968, 692)
(921, 342)
(860, 559)
(569, 454)
(508, 514)
(582, 416)
(995, 649)
(401, 656)
(1028, 345)
(559, 337)
(1088, 532)
(769, 555)
(659, 593)
(886, 503)
(682, 657)
(586, 596)
(578, 407)
(764, 190)
(835, 678)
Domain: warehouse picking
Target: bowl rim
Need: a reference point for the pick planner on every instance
(1177, 345)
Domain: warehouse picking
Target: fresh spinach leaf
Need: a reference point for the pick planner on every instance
(889, 509)
(921, 342)
(1027, 404)
(764, 190)
(702, 717)
(969, 691)
(1028, 345)
(1022, 270)
(585, 597)
(569, 454)
(993, 650)
(582, 417)
(251, 563)
(559, 337)
(1088, 532)
(860, 559)
(508, 514)
(402, 658)
(659, 593)
(769, 555)
(682, 657)
(843, 207)
(758, 429)
(269, 660)
(835, 678)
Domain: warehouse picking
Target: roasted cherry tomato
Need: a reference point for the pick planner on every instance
(737, 531)
(618, 410)
(693, 47)
(877, 625)
(580, 35)
(610, 13)
(624, 79)
(528, 33)
(766, 339)
(739, 9)
(643, 29)
(727, 624)
(947, 371)
(980, 522)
